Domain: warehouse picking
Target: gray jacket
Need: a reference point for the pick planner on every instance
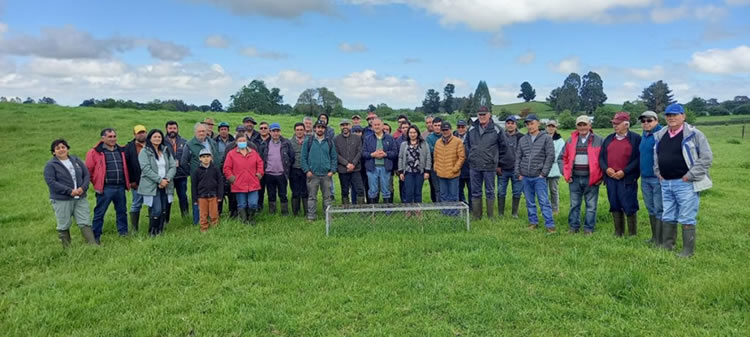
(425, 158)
(150, 172)
(59, 181)
(697, 153)
(535, 159)
(348, 150)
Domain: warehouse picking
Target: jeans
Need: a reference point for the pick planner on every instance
(581, 191)
(247, 200)
(536, 187)
(137, 201)
(351, 181)
(680, 202)
(554, 195)
(276, 185)
(413, 182)
(111, 194)
(378, 180)
(651, 190)
(298, 183)
(464, 183)
(477, 178)
(313, 184)
(449, 192)
(622, 197)
(502, 185)
(159, 204)
(434, 187)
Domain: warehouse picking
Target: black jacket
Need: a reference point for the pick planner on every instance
(484, 146)
(134, 167)
(508, 160)
(207, 182)
(633, 170)
(287, 154)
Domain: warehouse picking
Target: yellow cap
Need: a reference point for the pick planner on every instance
(139, 128)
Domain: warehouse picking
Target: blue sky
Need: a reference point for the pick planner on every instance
(369, 51)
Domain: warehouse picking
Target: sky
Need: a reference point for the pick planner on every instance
(369, 51)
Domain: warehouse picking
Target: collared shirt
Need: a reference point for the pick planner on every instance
(114, 174)
(672, 134)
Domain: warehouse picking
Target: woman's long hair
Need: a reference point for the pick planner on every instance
(419, 135)
(151, 146)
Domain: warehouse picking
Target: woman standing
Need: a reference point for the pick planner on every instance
(414, 158)
(553, 178)
(68, 179)
(158, 168)
(243, 169)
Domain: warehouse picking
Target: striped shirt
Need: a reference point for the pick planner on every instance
(581, 163)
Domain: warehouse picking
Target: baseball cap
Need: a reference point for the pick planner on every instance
(320, 123)
(461, 122)
(483, 110)
(552, 122)
(249, 119)
(356, 117)
(345, 121)
(275, 126)
(583, 119)
(138, 129)
(223, 124)
(205, 152)
(531, 117)
(511, 118)
(620, 117)
(445, 126)
(240, 128)
(648, 114)
(674, 109)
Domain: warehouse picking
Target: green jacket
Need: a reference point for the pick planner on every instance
(319, 157)
(191, 160)
(150, 178)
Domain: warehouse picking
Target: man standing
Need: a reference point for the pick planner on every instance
(380, 153)
(132, 149)
(260, 142)
(308, 123)
(401, 120)
(427, 126)
(250, 132)
(650, 185)
(177, 144)
(620, 156)
(349, 154)
(278, 156)
(582, 172)
(330, 133)
(190, 159)
(109, 174)
(506, 168)
(534, 158)
(449, 157)
(485, 145)
(431, 139)
(319, 163)
(464, 181)
(356, 120)
(223, 139)
(681, 161)
(209, 123)
(297, 178)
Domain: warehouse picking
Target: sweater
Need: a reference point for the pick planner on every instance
(207, 182)
(632, 170)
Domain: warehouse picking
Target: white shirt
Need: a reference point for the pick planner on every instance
(71, 170)
(161, 165)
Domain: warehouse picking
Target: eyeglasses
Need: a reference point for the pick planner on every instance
(647, 120)
(263, 128)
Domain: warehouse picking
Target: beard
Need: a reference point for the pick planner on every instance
(172, 134)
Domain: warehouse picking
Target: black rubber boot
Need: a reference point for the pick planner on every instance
(242, 214)
(360, 200)
(668, 235)
(514, 210)
(501, 206)
(655, 230)
(295, 206)
(476, 209)
(284, 208)
(688, 241)
(272, 207)
(134, 219)
(490, 208)
(632, 225)
(619, 220)
(153, 225)
(88, 235)
(64, 238)
(251, 217)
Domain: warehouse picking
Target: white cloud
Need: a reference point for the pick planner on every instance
(527, 57)
(3, 28)
(216, 41)
(723, 61)
(167, 51)
(707, 13)
(567, 66)
(352, 47)
(653, 73)
(264, 54)
(285, 9)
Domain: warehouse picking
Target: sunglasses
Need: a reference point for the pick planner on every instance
(647, 120)
(263, 128)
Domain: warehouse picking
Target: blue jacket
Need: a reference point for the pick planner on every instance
(370, 145)
(647, 152)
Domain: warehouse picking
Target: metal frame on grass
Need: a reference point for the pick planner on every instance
(387, 208)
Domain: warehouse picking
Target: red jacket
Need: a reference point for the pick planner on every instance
(243, 168)
(593, 149)
(97, 165)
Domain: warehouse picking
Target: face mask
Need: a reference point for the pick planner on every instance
(242, 145)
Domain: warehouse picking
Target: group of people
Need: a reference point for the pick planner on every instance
(243, 167)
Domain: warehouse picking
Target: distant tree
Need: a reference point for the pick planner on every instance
(216, 106)
(698, 105)
(635, 108)
(88, 102)
(256, 97)
(29, 100)
(712, 101)
(202, 108)
(482, 97)
(657, 96)
(527, 92)
(592, 92)
(603, 117)
(314, 101)
(469, 106)
(431, 102)
(566, 120)
(718, 110)
(3, 99)
(371, 108)
(552, 98)
(742, 110)
(448, 101)
(566, 97)
(741, 99)
(47, 100)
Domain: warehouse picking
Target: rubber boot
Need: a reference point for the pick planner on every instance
(134, 219)
(284, 208)
(360, 200)
(688, 241)
(168, 213)
(345, 201)
(64, 237)
(251, 217)
(162, 223)
(514, 209)
(242, 214)
(490, 208)
(501, 206)
(619, 220)
(476, 209)
(304, 207)
(153, 225)
(387, 200)
(632, 225)
(272, 207)
(295, 206)
(654, 222)
(668, 235)
(88, 235)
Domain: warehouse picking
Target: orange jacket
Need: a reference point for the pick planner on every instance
(448, 158)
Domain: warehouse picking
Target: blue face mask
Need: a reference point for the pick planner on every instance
(242, 145)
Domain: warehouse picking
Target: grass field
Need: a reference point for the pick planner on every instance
(285, 278)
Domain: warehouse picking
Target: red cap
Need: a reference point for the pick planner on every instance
(622, 116)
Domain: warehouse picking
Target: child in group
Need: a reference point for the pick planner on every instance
(208, 186)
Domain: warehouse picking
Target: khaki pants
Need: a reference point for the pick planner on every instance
(65, 210)
(208, 207)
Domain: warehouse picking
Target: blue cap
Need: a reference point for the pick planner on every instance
(461, 122)
(274, 126)
(531, 117)
(223, 124)
(511, 118)
(674, 109)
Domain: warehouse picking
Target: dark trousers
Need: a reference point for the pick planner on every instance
(111, 194)
(261, 192)
(298, 182)
(464, 183)
(351, 182)
(622, 197)
(180, 185)
(434, 187)
(365, 182)
(276, 185)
